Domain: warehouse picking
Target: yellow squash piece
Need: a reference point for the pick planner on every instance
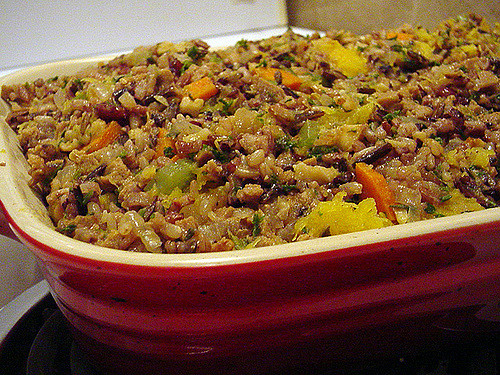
(338, 217)
(348, 61)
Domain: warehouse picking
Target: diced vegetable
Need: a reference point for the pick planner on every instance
(399, 36)
(108, 136)
(336, 127)
(375, 186)
(176, 175)
(308, 134)
(456, 203)
(339, 217)
(289, 79)
(348, 61)
(423, 48)
(474, 156)
(203, 88)
(165, 145)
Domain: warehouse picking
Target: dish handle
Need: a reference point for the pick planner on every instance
(5, 229)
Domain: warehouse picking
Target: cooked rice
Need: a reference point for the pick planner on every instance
(177, 148)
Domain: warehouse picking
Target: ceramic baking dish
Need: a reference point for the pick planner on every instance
(332, 299)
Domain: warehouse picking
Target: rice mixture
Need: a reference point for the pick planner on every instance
(177, 148)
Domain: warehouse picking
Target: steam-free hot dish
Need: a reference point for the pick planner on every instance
(177, 148)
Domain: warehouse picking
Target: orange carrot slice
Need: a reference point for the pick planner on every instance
(203, 88)
(290, 80)
(375, 186)
(108, 136)
(399, 36)
(165, 143)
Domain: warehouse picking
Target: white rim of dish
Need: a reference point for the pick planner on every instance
(24, 217)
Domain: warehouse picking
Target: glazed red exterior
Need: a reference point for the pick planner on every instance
(363, 301)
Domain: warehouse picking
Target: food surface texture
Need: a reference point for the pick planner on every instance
(179, 148)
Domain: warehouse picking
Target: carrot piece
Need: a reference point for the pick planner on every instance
(375, 186)
(107, 137)
(399, 36)
(165, 143)
(203, 88)
(290, 80)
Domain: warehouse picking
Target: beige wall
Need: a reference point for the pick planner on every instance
(44, 30)
(363, 16)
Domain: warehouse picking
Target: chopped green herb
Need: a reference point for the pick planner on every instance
(285, 143)
(168, 152)
(239, 243)
(68, 229)
(430, 209)
(474, 95)
(49, 177)
(445, 198)
(392, 115)
(226, 105)
(81, 95)
(287, 57)
(262, 62)
(438, 139)
(185, 65)
(289, 187)
(78, 84)
(242, 43)
(397, 48)
(219, 155)
(319, 151)
(195, 53)
(257, 221)
(86, 198)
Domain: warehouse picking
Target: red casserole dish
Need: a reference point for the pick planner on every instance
(334, 299)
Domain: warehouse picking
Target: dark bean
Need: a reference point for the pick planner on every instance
(109, 112)
(413, 62)
(76, 200)
(122, 138)
(366, 90)
(148, 212)
(310, 114)
(158, 119)
(175, 66)
(385, 69)
(376, 154)
(278, 77)
(495, 65)
(148, 100)
(470, 188)
(290, 92)
(456, 116)
(99, 171)
(341, 179)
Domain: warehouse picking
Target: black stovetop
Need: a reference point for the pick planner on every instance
(41, 344)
